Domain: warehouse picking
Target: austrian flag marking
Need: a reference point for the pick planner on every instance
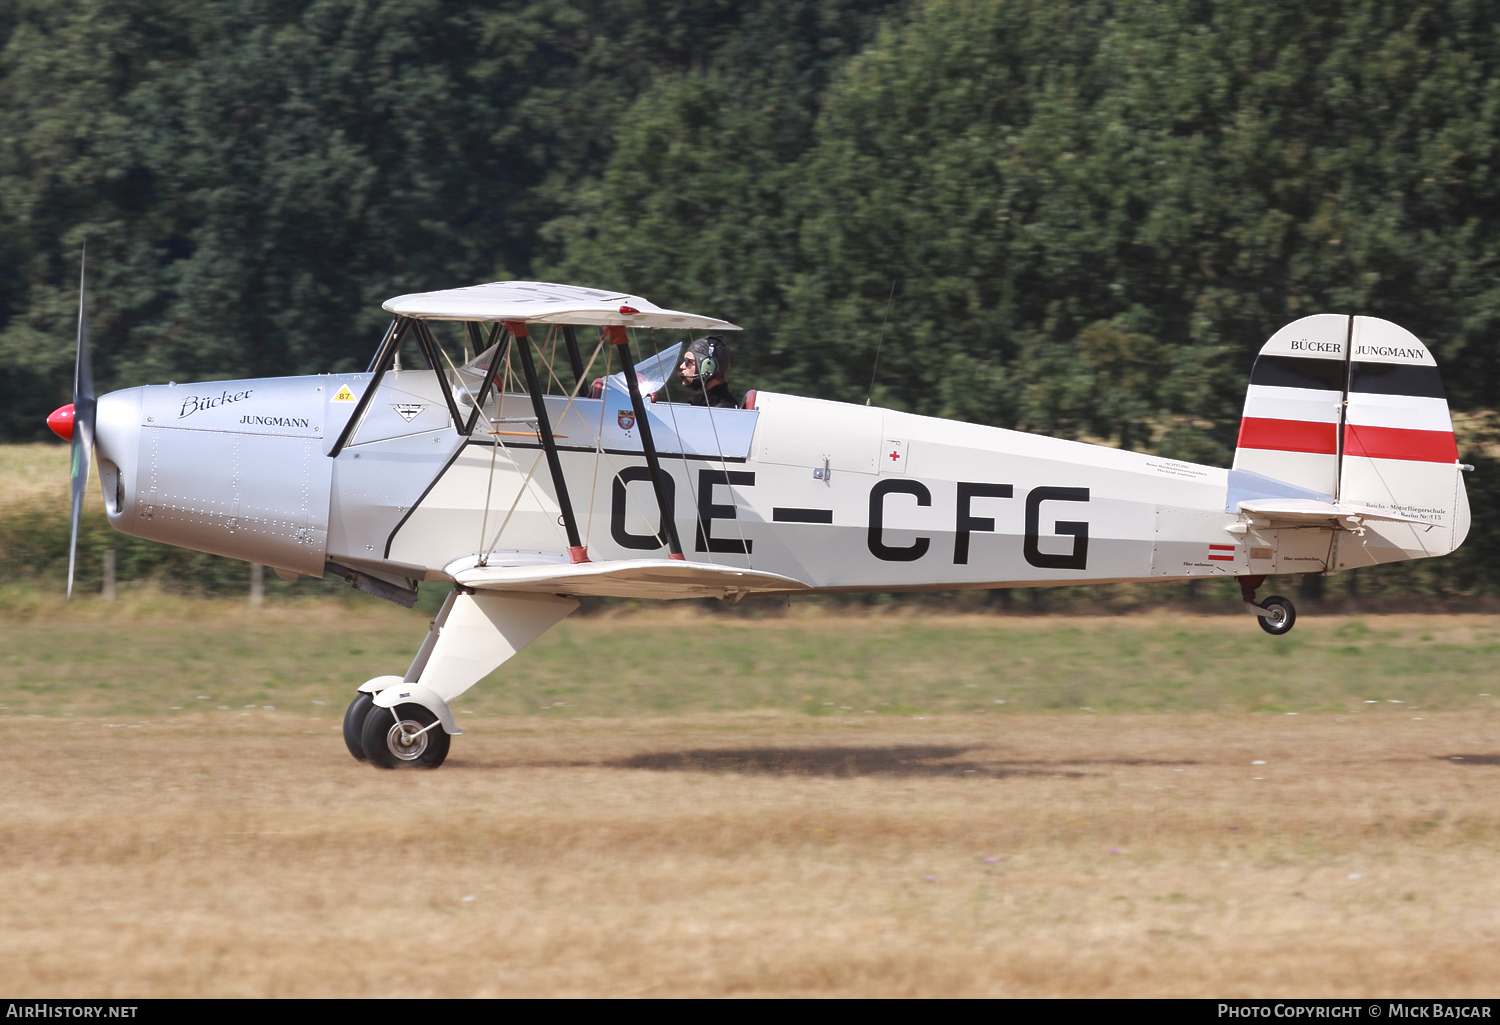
(1221, 553)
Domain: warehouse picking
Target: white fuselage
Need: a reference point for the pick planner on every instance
(838, 496)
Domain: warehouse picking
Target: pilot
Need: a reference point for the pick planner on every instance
(705, 373)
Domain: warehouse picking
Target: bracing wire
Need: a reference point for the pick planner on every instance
(487, 550)
(514, 503)
(538, 494)
(498, 444)
(598, 438)
(549, 358)
(547, 353)
(505, 383)
(572, 396)
(571, 407)
(446, 358)
(489, 489)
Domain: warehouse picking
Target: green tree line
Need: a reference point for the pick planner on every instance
(1085, 217)
(254, 177)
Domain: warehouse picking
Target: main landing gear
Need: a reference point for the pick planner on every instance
(393, 738)
(407, 721)
(1276, 614)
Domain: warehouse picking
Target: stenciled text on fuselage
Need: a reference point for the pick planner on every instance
(197, 403)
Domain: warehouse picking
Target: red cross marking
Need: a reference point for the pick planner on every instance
(895, 455)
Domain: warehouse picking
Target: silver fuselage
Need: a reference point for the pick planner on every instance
(841, 497)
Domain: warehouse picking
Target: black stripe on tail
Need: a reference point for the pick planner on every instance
(1298, 372)
(1397, 379)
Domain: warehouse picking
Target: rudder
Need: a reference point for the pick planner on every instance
(1399, 453)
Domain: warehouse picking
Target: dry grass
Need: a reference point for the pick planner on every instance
(756, 854)
(38, 472)
(909, 837)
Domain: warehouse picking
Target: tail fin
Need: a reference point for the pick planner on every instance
(1354, 408)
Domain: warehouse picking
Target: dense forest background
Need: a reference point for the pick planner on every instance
(1092, 214)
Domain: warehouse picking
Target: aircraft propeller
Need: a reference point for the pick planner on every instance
(75, 422)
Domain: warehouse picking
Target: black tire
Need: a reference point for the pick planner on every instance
(1283, 619)
(382, 750)
(354, 724)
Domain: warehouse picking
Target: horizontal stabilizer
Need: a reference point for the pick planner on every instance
(625, 578)
(1245, 486)
(1302, 511)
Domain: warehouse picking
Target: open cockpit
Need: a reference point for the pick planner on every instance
(521, 380)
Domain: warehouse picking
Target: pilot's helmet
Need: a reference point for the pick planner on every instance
(714, 358)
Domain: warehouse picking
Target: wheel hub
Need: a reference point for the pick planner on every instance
(406, 740)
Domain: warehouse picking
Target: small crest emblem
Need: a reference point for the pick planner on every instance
(408, 410)
(625, 418)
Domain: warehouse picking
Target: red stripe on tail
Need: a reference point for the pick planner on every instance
(1399, 443)
(1288, 435)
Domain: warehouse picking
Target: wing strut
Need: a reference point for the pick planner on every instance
(616, 335)
(434, 357)
(576, 552)
(489, 375)
(575, 358)
(378, 366)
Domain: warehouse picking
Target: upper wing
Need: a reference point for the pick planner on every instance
(541, 302)
(625, 578)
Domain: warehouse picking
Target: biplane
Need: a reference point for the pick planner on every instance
(494, 469)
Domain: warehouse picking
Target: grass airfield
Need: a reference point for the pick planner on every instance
(674, 803)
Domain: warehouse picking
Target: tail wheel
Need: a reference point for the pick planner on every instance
(1282, 616)
(354, 724)
(408, 735)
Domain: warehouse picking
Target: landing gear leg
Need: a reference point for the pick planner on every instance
(408, 720)
(1276, 614)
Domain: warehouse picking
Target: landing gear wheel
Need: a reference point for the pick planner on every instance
(354, 724)
(1282, 615)
(392, 743)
